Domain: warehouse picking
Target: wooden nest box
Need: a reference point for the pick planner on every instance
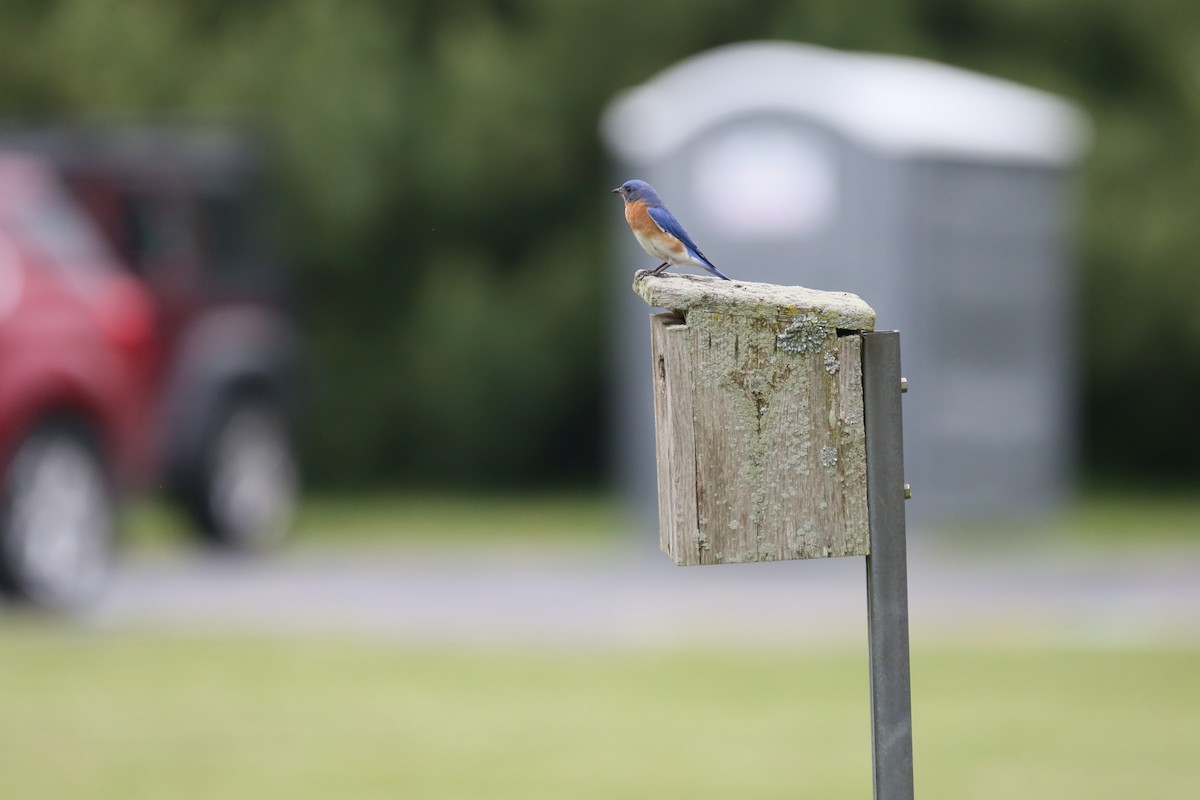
(758, 406)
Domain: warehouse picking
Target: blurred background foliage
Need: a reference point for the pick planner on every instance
(444, 193)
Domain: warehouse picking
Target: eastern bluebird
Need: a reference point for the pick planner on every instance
(657, 230)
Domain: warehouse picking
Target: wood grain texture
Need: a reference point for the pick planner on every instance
(759, 429)
(673, 412)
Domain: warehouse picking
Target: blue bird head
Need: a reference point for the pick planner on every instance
(634, 190)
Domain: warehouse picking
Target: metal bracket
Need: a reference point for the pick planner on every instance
(887, 568)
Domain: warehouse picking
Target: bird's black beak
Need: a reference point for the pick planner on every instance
(617, 190)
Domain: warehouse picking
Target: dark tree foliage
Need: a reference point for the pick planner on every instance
(444, 192)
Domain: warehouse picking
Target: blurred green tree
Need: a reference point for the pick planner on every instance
(444, 192)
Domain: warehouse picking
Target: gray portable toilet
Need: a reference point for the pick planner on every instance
(943, 198)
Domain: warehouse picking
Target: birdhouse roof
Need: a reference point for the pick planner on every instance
(683, 293)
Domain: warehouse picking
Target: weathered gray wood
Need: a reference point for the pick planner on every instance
(759, 420)
(675, 511)
(744, 298)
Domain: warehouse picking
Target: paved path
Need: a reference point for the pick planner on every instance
(605, 598)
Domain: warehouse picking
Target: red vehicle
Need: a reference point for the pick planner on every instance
(144, 343)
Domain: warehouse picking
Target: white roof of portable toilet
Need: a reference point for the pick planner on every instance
(898, 105)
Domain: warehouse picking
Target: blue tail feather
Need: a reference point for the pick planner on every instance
(708, 265)
(717, 272)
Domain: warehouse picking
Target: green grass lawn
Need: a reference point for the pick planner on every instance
(152, 715)
(1107, 517)
(97, 716)
(435, 520)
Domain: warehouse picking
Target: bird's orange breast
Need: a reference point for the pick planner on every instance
(648, 233)
(639, 220)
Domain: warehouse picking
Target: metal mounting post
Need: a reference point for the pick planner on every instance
(887, 568)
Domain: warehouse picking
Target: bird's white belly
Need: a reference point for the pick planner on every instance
(657, 247)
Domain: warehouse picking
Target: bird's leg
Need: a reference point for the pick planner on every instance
(659, 269)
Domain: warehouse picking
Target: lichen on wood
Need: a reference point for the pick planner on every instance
(758, 406)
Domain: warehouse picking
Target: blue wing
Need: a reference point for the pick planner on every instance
(666, 220)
